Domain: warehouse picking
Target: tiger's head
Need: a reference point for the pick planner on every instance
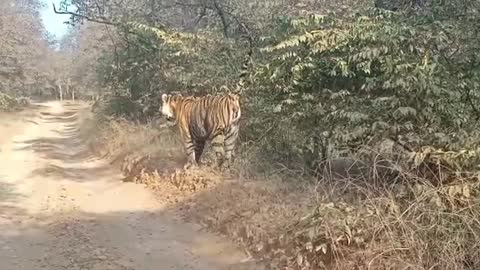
(169, 103)
(167, 108)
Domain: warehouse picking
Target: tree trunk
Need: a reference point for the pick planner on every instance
(60, 91)
(67, 89)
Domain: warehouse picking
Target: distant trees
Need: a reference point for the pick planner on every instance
(24, 48)
(82, 49)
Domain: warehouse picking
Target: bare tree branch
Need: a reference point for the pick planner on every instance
(200, 17)
(472, 104)
(83, 16)
(221, 14)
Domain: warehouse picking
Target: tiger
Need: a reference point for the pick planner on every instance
(213, 118)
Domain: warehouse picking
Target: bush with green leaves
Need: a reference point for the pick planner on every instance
(331, 86)
(325, 86)
(154, 60)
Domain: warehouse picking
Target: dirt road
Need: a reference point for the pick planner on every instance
(62, 208)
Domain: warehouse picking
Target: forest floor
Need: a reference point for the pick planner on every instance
(63, 207)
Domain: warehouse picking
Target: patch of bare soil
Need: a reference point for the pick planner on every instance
(62, 207)
(337, 223)
(252, 213)
(14, 123)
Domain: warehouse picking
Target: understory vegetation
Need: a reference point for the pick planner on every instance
(359, 144)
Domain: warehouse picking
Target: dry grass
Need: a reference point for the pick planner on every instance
(134, 146)
(297, 224)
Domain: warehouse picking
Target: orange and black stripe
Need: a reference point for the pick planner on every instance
(212, 118)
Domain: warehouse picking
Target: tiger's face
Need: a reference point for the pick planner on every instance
(167, 108)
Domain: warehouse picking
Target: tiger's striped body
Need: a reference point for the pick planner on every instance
(202, 119)
(209, 118)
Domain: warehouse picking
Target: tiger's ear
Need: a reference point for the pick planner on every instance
(164, 97)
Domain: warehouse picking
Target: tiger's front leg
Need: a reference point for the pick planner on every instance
(190, 150)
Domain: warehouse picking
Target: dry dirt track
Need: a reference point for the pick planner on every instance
(61, 208)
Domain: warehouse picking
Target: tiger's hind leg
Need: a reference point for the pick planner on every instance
(190, 150)
(230, 140)
(218, 142)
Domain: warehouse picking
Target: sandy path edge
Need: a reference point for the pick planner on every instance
(62, 208)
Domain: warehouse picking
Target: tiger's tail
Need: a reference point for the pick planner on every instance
(246, 63)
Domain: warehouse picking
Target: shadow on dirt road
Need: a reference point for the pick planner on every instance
(63, 208)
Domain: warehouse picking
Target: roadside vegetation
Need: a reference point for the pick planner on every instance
(359, 144)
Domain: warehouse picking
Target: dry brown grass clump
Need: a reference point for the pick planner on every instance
(323, 224)
(134, 147)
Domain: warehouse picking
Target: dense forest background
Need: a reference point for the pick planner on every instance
(329, 78)
(396, 81)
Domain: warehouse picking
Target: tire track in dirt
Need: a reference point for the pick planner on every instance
(63, 208)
